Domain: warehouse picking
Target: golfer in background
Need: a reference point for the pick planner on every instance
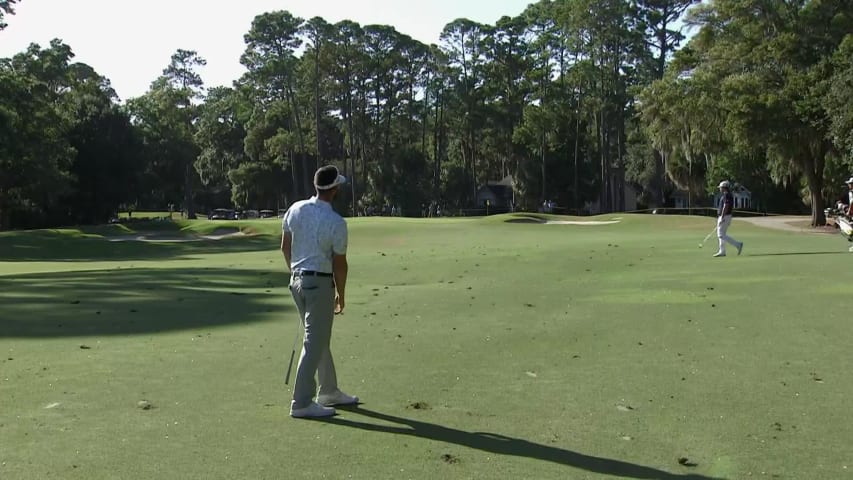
(849, 183)
(314, 243)
(724, 220)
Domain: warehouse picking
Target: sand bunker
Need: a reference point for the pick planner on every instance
(592, 223)
(154, 237)
(542, 220)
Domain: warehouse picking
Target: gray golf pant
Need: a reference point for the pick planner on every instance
(723, 224)
(315, 300)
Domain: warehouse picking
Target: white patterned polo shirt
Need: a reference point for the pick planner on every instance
(318, 233)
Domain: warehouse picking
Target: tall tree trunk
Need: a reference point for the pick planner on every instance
(576, 180)
(299, 135)
(352, 155)
(386, 149)
(473, 167)
(542, 159)
(424, 123)
(814, 179)
(363, 154)
(188, 192)
(5, 217)
(602, 194)
(317, 104)
(294, 174)
(437, 139)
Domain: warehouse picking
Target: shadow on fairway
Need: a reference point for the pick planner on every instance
(54, 246)
(798, 253)
(502, 445)
(126, 301)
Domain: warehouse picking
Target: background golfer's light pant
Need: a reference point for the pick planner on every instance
(315, 300)
(722, 232)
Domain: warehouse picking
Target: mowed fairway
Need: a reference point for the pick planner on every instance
(481, 349)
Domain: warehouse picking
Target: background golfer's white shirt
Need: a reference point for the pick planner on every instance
(318, 233)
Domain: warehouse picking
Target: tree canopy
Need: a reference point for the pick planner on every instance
(584, 103)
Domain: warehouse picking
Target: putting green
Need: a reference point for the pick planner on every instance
(481, 348)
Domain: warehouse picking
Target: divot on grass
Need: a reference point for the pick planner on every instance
(451, 459)
(418, 406)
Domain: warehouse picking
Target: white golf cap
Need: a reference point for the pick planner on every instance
(849, 181)
(724, 184)
(327, 178)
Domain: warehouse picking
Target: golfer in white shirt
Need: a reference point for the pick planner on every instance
(314, 243)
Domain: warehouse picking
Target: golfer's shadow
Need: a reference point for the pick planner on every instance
(786, 254)
(503, 445)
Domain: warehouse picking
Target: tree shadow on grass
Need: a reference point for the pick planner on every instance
(127, 301)
(56, 246)
(503, 445)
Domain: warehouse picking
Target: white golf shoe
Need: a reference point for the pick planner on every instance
(313, 410)
(720, 254)
(336, 398)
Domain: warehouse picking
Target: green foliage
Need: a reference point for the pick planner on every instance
(6, 8)
(221, 130)
(35, 153)
(837, 101)
(760, 83)
(569, 99)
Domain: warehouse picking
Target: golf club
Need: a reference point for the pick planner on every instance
(707, 237)
(293, 352)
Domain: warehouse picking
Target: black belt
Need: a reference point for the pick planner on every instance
(310, 273)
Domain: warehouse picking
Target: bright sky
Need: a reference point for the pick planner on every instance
(131, 41)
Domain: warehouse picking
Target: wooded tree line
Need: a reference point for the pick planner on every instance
(578, 101)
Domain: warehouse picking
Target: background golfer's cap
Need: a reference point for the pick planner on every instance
(724, 184)
(328, 178)
(849, 181)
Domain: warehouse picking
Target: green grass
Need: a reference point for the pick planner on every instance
(480, 348)
(148, 215)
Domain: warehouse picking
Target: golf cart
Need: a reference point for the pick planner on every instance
(222, 214)
(842, 222)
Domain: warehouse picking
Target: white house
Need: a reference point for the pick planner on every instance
(742, 196)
